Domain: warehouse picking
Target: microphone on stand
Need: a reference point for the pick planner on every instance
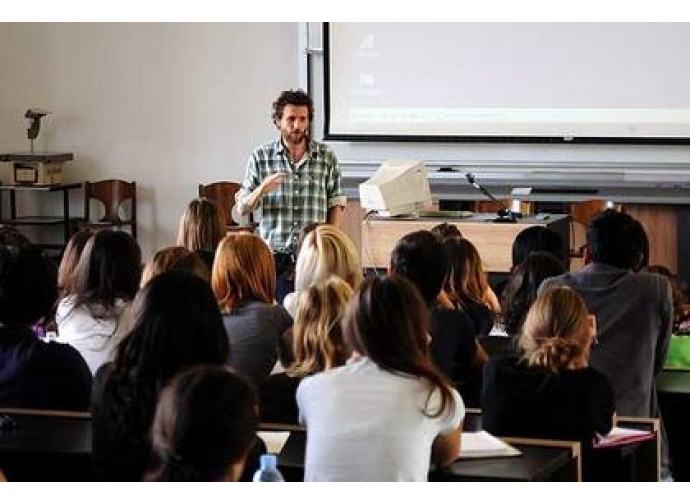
(504, 213)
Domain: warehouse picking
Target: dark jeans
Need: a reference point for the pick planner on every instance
(285, 275)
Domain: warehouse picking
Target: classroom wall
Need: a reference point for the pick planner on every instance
(168, 105)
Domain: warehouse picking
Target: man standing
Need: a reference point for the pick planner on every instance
(293, 180)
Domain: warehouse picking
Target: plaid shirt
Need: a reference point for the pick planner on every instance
(304, 197)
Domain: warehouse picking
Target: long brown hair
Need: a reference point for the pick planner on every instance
(466, 277)
(243, 270)
(387, 321)
(201, 226)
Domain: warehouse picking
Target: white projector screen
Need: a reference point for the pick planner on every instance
(525, 82)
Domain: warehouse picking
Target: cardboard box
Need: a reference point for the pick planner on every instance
(37, 173)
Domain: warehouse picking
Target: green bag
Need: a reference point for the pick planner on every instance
(678, 356)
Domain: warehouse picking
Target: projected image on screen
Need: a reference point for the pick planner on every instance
(566, 81)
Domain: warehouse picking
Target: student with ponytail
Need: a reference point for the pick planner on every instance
(549, 391)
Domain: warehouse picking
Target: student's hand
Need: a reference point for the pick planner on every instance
(272, 182)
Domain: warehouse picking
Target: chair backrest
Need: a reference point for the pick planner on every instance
(581, 213)
(113, 194)
(223, 195)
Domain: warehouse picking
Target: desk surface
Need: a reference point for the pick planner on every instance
(537, 463)
(47, 434)
(673, 382)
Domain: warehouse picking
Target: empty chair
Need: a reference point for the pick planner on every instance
(223, 195)
(113, 195)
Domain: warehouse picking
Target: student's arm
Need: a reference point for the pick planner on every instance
(480, 357)
(491, 300)
(446, 449)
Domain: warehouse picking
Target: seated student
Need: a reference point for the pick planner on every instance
(201, 229)
(244, 280)
(204, 426)
(522, 288)
(177, 324)
(535, 239)
(175, 258)
(91, 314)
(420, 258)
(466, 284)
(318, 345)
(34, 374)
(325, 251)
(549, 391)
(388, 412)
(446, 230)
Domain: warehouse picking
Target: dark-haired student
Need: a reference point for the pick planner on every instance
(91, 316)
(176, 325)
(420, 258)
(204, 427)
(634, 311)
(388, 412)
(34, 374)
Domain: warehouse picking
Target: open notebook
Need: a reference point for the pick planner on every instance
(481, 444)
(621, 436)
(478, 444)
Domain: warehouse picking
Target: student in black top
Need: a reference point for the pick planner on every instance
(34, 374)
(176, 325)
(420, 258)
(549, 391)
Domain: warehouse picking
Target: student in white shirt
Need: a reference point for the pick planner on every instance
(91, 315)
(388, 412)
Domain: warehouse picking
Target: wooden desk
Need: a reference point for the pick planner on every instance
(540, 461)
(493, 240)
(42, 221)
(46, 446)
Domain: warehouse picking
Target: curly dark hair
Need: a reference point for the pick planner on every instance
(295, 97)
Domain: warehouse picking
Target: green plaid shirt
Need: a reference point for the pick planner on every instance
(305, 197)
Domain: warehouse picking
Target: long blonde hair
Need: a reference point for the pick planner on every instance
(243, 270)
(325, 251)
(555, 334)
(201, 226)
(318, 342)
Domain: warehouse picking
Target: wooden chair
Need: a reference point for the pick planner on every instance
(223, 195)
(581, 213)
(112, 194)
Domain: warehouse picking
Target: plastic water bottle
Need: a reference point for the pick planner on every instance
(268, 470)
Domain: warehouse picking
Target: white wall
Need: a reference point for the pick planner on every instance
(167, 105)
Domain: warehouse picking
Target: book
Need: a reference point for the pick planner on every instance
(621, 436)
(481, 444)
